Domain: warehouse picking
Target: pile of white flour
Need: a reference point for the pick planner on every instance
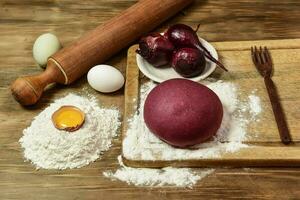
(50, 148)
(180, 177)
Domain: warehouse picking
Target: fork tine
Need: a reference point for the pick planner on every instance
(261, 55)
(256, 54)
(255, 58)
(268, 56)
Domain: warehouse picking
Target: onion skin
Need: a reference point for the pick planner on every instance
(183, 113)
(156, 49)
(182, 35)
(188, 62)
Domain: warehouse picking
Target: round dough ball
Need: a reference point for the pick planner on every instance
(44, 47)
(182, 112)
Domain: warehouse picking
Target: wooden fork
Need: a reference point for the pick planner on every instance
(263, 63)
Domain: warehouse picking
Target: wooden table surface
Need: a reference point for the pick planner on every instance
(21, 21)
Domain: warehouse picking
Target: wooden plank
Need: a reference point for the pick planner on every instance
(267, 149)
(258, 156)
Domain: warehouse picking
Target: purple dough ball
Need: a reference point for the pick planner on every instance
(182, 112)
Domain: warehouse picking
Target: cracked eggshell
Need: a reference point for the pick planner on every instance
(105, 78)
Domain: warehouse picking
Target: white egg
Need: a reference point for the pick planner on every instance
(44, 47)
(105, 78)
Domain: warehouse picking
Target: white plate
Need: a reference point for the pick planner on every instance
(162, 74)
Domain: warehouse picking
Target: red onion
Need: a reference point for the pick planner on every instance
(188, 62)
(182, 35)
(156, 49)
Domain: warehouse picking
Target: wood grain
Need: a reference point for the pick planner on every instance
(22, 21)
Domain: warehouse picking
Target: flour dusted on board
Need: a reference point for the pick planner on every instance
(49, 148)
(140, 143)
(255, 105)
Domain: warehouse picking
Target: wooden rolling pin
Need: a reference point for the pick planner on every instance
(93, 48)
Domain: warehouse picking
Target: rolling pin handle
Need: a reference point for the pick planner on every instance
(28, 90)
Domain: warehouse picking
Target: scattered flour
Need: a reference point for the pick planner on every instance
(180, 177)
(254, 104)
(49, 148)
(140, 143)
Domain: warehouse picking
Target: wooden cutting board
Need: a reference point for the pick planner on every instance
(267, 149)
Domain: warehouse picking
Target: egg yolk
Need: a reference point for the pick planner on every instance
(68, 117)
